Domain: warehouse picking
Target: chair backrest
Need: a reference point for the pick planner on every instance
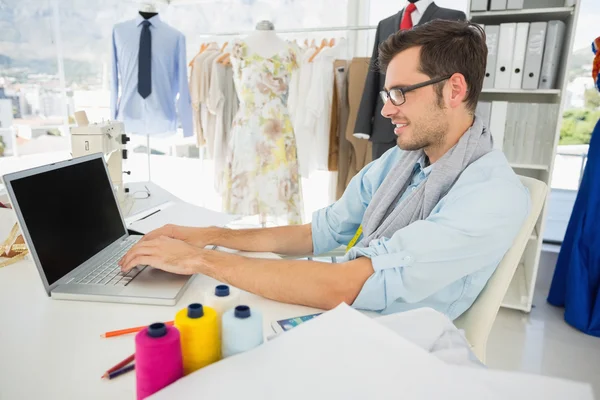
(478, 320)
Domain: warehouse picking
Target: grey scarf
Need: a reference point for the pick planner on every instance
(382, 218)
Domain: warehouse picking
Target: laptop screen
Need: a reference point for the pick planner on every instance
(71, 215)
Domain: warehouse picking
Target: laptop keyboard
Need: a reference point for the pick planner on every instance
(109, 272)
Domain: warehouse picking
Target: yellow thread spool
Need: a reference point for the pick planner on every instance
(200, 337)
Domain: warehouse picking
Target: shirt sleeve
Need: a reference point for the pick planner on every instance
(472, 229)
(114, 81)
(184, 105)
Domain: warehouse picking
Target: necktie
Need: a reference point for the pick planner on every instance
(406, 19)
(144, 61)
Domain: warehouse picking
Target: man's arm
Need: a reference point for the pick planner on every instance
(309, 283)
(292, 240)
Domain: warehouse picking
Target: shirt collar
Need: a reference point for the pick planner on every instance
(422, 5)
(154, 21)
(422, 167)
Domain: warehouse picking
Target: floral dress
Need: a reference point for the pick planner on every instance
(262, 174)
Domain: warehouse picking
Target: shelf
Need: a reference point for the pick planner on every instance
(553, 92)
(530, 166)
(516, 296)
(524, 15)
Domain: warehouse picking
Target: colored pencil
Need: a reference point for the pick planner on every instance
(119, 365)
(121, 371)
(128, 330)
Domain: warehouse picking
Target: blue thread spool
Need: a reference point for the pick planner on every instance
(242, 330)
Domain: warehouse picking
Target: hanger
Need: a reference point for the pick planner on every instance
(324, 43)
(332, 42)
(313, 43)
(223, 58)
(223, 47)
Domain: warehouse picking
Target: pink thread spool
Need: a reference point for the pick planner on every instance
(158, 361)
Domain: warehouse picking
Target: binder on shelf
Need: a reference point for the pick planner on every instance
(520, 133)
(534, 54)
(552, 53)
(497, 5)
(479, 5)
(484, 111)
(505, 53)
(509, 131)
(497, 122)
(514, 4)
(540, 134)
(531, 127)
(518, 59)
(543, 3)
(492, 34)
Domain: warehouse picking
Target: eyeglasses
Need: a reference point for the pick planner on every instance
(398, 95)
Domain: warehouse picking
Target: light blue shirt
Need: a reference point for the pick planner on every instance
(157, 114)
(444, 261)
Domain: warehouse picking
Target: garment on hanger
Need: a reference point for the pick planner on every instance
(223, 104)
(311, 106)
(198, 90)
(262, 170)
(344, 145)
(370, 124)
(361, 153)
(169, 96)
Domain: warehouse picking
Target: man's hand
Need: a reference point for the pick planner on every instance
(166, 253)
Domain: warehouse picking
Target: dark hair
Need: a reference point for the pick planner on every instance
(447, 47)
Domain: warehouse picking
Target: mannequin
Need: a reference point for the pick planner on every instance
(264, 41)
(148, 11)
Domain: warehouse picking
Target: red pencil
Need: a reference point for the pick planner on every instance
(128, 330)
(119, 365)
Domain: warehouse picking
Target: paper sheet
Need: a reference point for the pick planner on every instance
(185, 214)
(346, 355)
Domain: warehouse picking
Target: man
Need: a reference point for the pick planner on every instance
(433, 216)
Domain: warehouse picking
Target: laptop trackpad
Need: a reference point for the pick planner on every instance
(152, 282)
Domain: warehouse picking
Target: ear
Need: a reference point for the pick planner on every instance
(457, 88)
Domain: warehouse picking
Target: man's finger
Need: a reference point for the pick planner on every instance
(139, 248)
(140, 260)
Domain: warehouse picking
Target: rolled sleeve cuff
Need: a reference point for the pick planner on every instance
(386, 277)
(322, 236)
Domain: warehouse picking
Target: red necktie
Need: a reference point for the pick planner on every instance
(406, 19)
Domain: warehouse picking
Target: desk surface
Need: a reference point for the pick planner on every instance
(52, 348)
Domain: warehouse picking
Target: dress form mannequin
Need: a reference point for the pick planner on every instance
(264, 41)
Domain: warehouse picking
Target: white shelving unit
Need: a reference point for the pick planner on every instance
(520, 292)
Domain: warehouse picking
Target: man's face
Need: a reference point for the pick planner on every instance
(421, 122)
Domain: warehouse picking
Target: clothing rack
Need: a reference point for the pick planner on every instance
(305, 30)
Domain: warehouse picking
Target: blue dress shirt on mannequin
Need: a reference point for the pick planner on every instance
(157, 113)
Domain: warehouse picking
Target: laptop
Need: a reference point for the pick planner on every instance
(73, 227)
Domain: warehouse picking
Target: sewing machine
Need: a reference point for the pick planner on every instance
(105, 137)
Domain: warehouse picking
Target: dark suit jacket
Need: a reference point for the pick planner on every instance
(369, 119)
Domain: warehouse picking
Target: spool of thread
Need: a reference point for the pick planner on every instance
(242, 330)
(200, 337)
(157, 359)
(222, 299)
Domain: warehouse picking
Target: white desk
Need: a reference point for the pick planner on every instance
(52, 349)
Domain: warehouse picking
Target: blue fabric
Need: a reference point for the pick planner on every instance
(576, 282)
(156, 114)
(442, 262)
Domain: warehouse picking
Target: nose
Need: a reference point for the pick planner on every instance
(388, 109)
